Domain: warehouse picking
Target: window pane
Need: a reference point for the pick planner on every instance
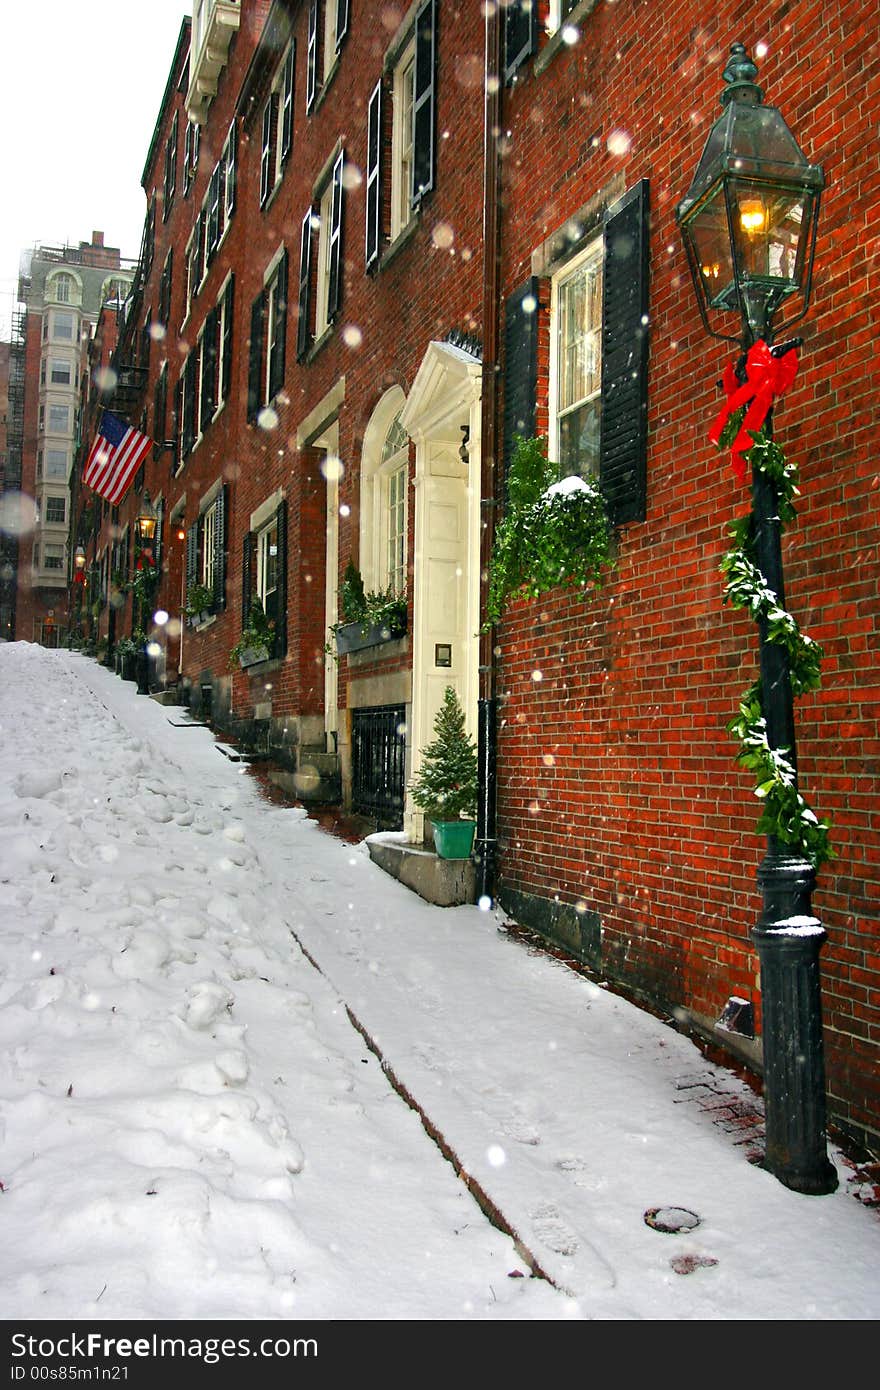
(55, 509)
(62, 327)
(56, 463)
(579, 367)
(397, 531)
(59, 417)
(61, 373)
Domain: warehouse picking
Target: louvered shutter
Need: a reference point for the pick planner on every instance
(334, 249)
(192, 555)
(304, 327)
(247, 577)
(520, 365)
(226, 346)
(622, 467)
(276, 363)
(220, 510)
(341, 22)
(520, 34)
(287, 102)
(177, 423)
(200, 251)
(255, 357)
(231, 169)
(189, 404)
(280, 644)
(312, 56)
(374, 176)
(423, 101)
(209, 371)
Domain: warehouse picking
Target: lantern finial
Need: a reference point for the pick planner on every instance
(740, 74)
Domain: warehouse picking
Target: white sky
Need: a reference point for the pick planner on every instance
(80, 87)
(192, 1128)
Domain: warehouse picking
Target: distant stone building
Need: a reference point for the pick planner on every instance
(62, 290)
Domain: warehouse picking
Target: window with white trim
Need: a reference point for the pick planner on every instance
(53, 557)
(268, 343)
(55, 463)
(267, 568)
(402, 209)
(59, 419)
(60, 372)
(63, 326)
(384, 499)
(169, 184)
(56, 510)
(576, 363)
(276, 126)
(329, 278)
(208, 556)
(61, 288)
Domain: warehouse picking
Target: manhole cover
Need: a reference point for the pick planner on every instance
(671, 1220)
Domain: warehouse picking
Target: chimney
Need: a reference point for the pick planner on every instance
(97, 238)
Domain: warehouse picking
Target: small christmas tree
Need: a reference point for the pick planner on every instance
(445, 787)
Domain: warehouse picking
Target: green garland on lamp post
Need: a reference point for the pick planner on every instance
(786, 814)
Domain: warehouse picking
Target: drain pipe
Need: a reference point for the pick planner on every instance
(485, 842)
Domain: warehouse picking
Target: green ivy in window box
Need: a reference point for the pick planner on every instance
(199, 600)
(256, 640)
(555, 532)
(367, 618)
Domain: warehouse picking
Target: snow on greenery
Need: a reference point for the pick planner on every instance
(554, 532)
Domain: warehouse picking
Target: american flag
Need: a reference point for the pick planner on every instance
(114, 458)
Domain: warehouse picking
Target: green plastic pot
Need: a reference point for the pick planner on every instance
(454, 839)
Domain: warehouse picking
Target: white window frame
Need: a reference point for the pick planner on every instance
(222, 321)
(54, 428)
(270, 330)
(383, 469)
(402, 102)
(208, 538)
(54, 520)
(55, 553)
(62, 337)
(61, 287)
(322, 296)
(54, 471)
(267, 573)
(589, 259)
(67, 365)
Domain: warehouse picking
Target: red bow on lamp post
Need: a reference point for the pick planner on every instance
(766, 378)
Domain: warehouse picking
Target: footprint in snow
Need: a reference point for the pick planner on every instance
(552, 1230)
(205, 1003)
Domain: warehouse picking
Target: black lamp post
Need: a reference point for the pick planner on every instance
(749, 224)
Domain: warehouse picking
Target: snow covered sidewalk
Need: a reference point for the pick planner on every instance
(192, 1128)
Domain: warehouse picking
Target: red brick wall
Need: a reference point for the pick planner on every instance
(618, 753)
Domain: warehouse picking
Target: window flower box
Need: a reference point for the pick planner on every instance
(355, 637)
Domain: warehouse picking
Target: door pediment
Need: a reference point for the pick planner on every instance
(447, 382)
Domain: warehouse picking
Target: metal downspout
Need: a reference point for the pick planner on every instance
(485, 843)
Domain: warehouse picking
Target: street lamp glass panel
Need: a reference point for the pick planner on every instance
(769, 228)
(710, 233)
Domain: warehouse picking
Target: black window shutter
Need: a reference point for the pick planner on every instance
(312, 56)
(189, 403)
(192, 555)
(334, 249)
(374, 175)
(200, 250)
(220, 549)
(255, 357)
(423, 101)
(622, 467)
(520, 365)
(247, 580)
(341, 22)
(280, 643)
(177, 423)
(287, 102)
(520, 34)
(304, 327)
(226, 346)
(231, 166)
(187, 156)
(276, 364)
(160, 411)
(209, 370)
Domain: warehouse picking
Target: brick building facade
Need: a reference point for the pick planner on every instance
(363, 231)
